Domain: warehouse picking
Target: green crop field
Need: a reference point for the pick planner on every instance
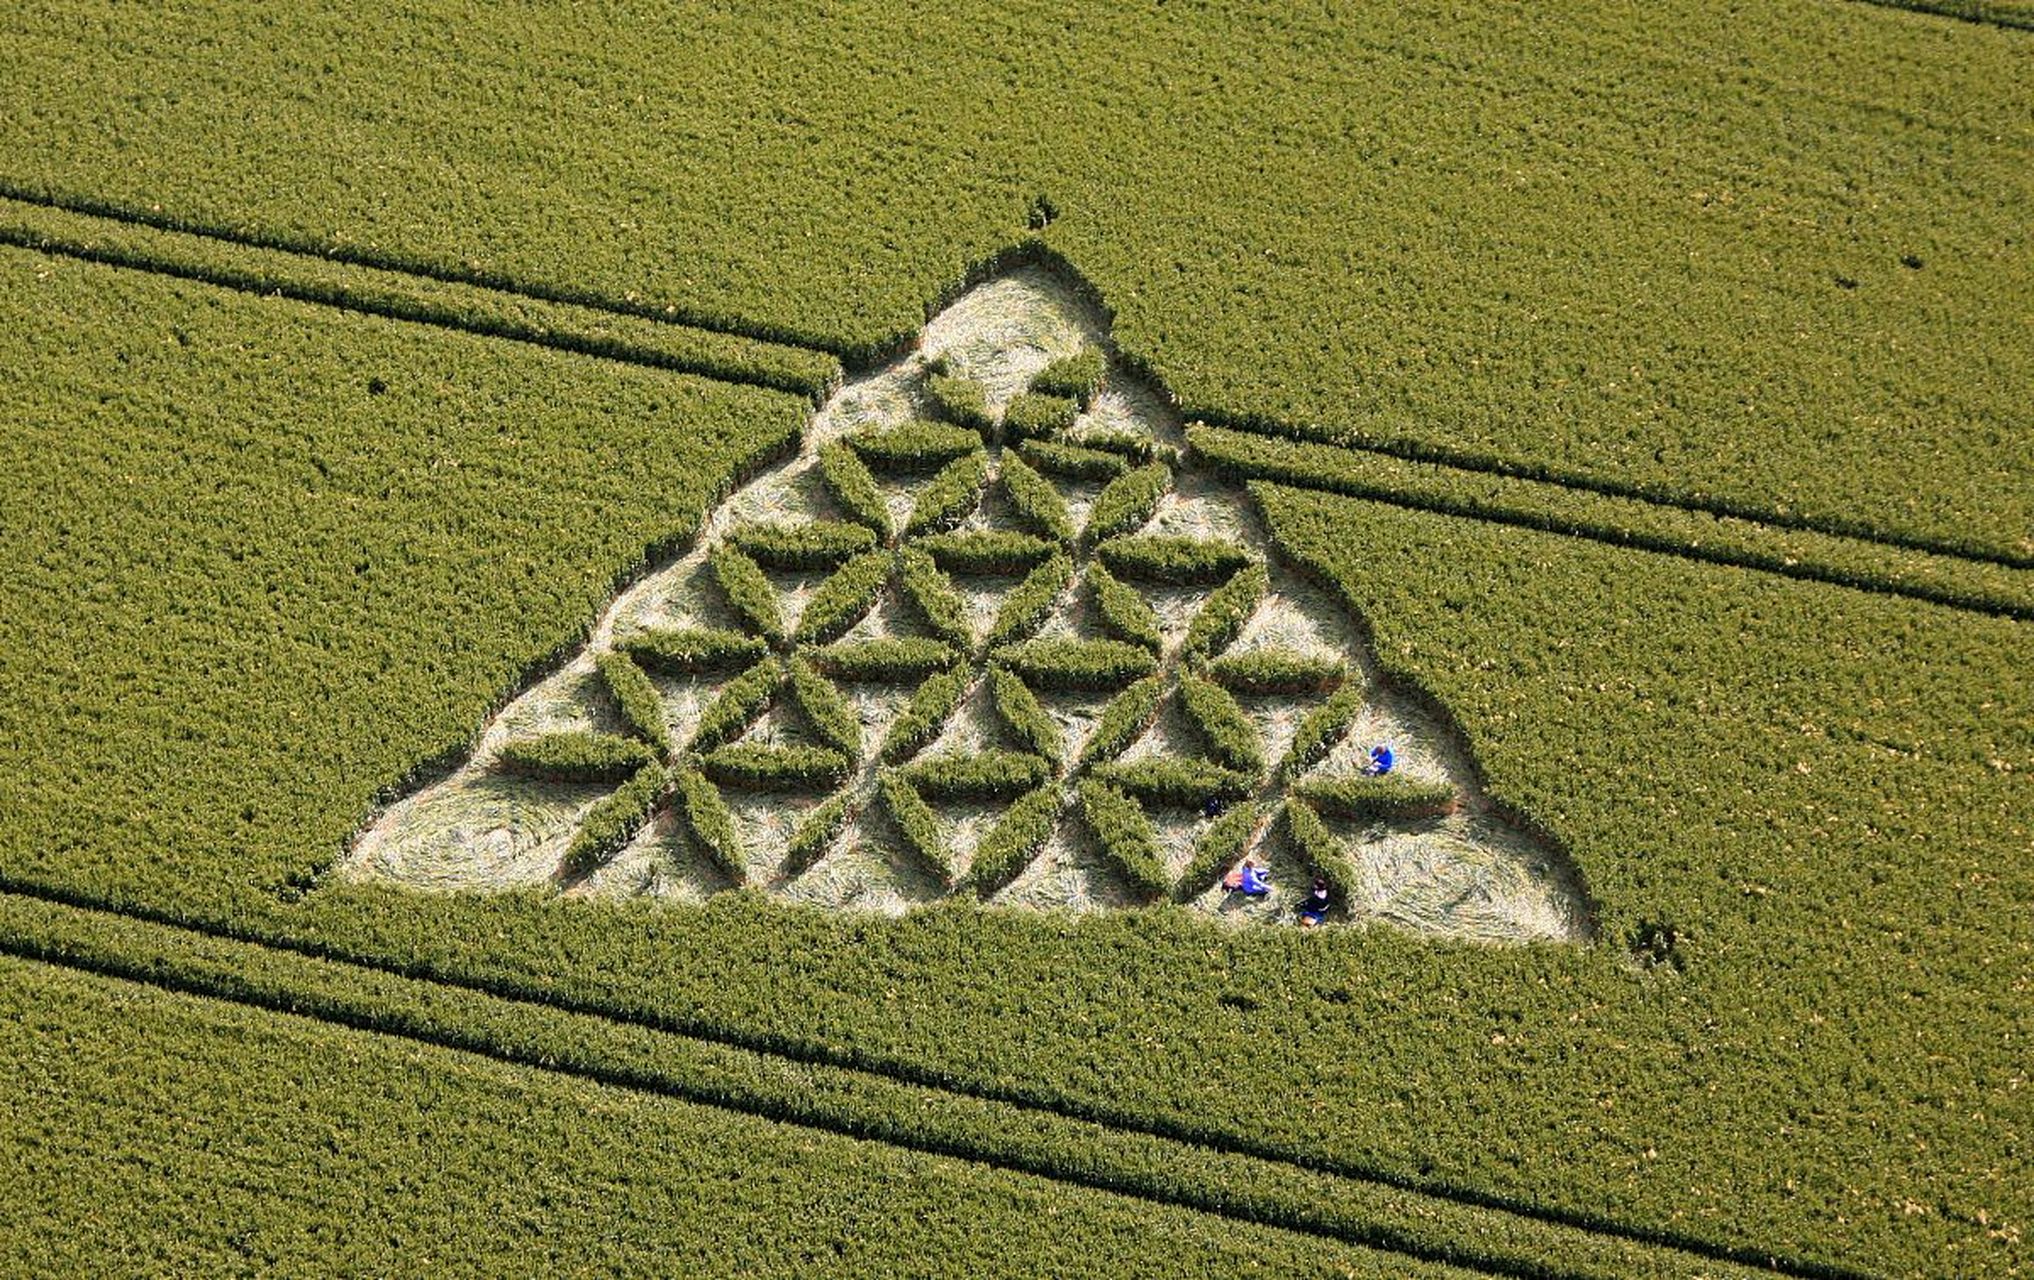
(650, 640)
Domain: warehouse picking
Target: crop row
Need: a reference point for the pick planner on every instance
(1072, 461)
(1037, 502)
(1617, 521)
(802, 545)
(914, 447)
(1063, 664)
(575, 757)
(123, 1004)
(844, 598)
(491, 313)
(959, 400)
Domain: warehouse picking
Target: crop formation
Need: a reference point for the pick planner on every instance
(989, 633)
(325, 576)
(1634, 387)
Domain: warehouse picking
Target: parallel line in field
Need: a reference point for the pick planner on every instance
(1318, 480)
(905, 1073)
(1974, 11)
(401, 264)
(1317, 468)
(454, 306)
(677, 1090)
(1305, 464)
(1803, 571)
(855, 360)
(1470, 462)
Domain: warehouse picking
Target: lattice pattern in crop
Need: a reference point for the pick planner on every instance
(986, 634)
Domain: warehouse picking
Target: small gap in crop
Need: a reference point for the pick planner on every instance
(296, 886)
(1656, 944)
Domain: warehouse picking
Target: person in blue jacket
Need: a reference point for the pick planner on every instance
(1248, 880)
(1380, 762)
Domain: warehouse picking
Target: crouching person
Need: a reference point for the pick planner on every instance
(1315, 908)
(1248, 880)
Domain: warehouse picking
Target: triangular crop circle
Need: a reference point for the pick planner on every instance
(991, 631)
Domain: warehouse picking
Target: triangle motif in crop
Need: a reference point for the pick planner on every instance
(992, 631)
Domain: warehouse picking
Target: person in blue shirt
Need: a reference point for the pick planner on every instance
(1380, 762)
(1248, 880)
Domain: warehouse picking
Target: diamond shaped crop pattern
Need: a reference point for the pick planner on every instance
(998, 515)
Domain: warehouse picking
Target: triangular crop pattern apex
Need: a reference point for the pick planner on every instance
(992, 632)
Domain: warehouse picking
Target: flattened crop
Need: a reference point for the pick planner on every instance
(973, 653)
